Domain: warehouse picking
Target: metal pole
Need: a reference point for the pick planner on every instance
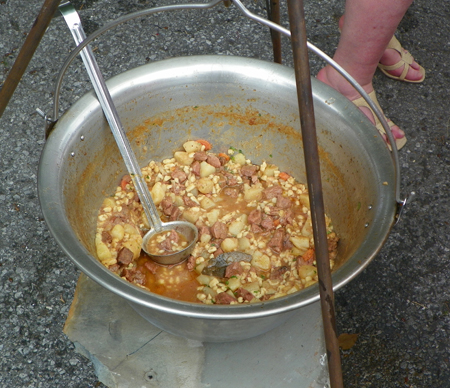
(26, 52)
(273, 11)
(305, 102)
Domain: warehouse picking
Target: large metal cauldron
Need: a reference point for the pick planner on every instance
(246, 103)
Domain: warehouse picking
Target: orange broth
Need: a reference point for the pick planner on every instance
(171, 281)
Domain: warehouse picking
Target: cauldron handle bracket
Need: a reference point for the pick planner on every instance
(51, 120)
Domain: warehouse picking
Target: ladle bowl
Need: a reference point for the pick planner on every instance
(187, 230)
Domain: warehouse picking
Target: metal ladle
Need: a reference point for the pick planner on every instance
(186, 229)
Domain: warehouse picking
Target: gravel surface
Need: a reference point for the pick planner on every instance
(399, 305)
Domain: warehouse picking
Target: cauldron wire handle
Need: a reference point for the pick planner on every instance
(176, 7)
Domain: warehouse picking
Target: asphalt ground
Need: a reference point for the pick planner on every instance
(399, 306)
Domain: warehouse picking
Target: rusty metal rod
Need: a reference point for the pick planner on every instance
(273, 11)
(312, 162)
(27, 51)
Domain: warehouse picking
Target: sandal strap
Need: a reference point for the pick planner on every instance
(361, 102)
(406, 59)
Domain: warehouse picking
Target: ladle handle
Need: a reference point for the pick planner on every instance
(73, 21)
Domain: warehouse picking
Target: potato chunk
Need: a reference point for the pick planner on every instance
(213, 216)
(191, 215)
(118, 232)
(192, 146)
(239, 158)
(205, 185)
(229, 244)
(270, 170)
(261, 261)
(104, 255)
(238, 225)
(304, 200)
(207, 203)
(234, 283)
(206, 169)
(300, 242)
(183, 158)
(204, 279)
(307, 271)
(253, 194)
(158, 192)
(108, 202)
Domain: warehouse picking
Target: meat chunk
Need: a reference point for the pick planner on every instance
(166, 244)
(106, 237)
(180, 175)
(267, 222)
(255, 217)
(167, 205)
(287, 244)
(224, 298)
(203, 230)
(233, 269)
(151, 266)
(114, 268)
(272, 192)
(287, 217)
(278, 272)
(244, 294)
(255, 228)
(195, 167)
(248, 170)
(119, 219)
(332, 242)
(174, 236)
(139, 278)
(177, 188)
(218, 252)
(283, 202)
(175, 214)
(190, 265)
(189, 202)
(128, 274)
(219, 230)
(276, 242)
(213, 160)
(125, 256)
(200, 156)
(223, 160)
(232, 192)
(231, 180)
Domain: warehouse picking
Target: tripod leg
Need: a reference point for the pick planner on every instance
(273, 10)
(26, 52)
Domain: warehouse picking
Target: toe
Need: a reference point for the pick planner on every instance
(397, 132)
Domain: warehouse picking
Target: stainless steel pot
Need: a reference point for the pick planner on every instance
(246, 103)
